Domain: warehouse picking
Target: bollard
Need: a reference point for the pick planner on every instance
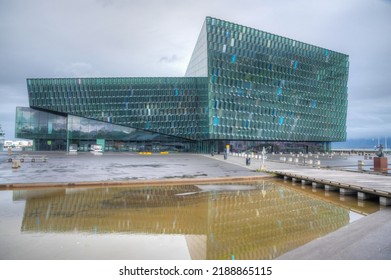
(15, 163)
(360, 165)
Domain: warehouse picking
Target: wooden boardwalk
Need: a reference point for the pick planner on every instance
(365, 185)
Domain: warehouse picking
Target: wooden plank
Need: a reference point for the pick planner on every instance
(368, 183)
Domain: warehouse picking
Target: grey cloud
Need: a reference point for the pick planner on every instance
(156, 38)
(169, 59)
(78, 69)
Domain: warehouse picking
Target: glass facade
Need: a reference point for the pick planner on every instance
(172, 106)
(56, 132)
(2, 139)
(241, 84)
(83, 132)
(266, 87)
(48, 130)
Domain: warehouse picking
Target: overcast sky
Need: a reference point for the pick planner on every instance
(125, 38)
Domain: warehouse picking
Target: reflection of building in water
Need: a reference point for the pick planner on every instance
(197, 245)
(261, 223)
(104, 210)
(268, 225)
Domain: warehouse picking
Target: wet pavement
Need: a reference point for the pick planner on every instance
(250, 220)
(367, 238)
(62, 167)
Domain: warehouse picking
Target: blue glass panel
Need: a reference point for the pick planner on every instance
(216, 120)
(233, 58)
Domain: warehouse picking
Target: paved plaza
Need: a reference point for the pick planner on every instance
(367, 238)
(61, 167)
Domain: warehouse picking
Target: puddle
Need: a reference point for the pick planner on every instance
(260, 220)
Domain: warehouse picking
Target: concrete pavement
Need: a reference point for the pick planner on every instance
(116, 167)
(368, 238)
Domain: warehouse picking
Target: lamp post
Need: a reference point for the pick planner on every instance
(263, 167)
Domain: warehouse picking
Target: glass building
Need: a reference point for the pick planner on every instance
(243, 87)
(2, 139)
